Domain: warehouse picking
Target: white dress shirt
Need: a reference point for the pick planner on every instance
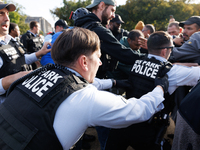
(180, 75)
(92, 107)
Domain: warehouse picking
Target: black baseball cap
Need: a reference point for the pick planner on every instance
(62, 23)
(96, 2)
(117, 19)
(10, 7)
(191, 20)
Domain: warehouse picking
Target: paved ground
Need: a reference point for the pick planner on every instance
(95, 145)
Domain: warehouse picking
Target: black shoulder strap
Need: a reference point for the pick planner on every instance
(90, 25)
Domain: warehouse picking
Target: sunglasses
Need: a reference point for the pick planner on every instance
(169, 47)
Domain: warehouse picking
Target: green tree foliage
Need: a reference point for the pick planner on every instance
(65, 11)
(154, 12)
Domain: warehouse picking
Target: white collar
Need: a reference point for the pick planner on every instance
(157, 57)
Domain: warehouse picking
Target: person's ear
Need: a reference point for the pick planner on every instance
(83, 62)
(163, 52)
(129, 40)
(102, 5)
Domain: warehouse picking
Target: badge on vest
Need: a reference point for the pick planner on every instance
(39, 86)
(35, 40)
(11, 53)
(146, 68)
(21, 50)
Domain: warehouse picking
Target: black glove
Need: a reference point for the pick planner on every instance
(163, 82)
(164, 69)
(123, 84)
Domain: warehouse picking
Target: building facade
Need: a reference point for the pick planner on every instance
(44, 24)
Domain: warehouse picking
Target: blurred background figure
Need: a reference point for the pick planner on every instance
(148, 29)
(115, 26)
(32, 41)
(171, 18)
(59, 26)
(14, 31)
(80, 12)
(174, 29)
(140, 25)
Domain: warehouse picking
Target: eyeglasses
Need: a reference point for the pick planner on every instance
(169, 47)
(144, 30)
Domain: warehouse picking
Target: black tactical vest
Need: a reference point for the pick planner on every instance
(27, 115)
(143, 74)
(34, 43)
(13, 58)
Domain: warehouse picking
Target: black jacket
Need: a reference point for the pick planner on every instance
(31, 43)
(120, 34)
(109, 44)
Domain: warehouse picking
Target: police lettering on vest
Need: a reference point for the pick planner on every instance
(147, 68)
(13, 58)
(143, 74)
(40, 84)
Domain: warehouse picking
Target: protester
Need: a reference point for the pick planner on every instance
(59, 26)
(144, 135)
(122, 70)
(174, 29)
(13, 60)
(59, 104)
(46, 59)
(115, 26)
(80, 12)
(140, 25)
(187, 52)
(101, 13)
(148, 30)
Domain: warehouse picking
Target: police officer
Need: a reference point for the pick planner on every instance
(13, 59)
(143, 136)
(31, 39)
(59, 104)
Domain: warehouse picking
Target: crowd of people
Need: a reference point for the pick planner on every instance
(126, 84)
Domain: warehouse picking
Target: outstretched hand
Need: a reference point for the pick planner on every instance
(163, 82)
(44, 50)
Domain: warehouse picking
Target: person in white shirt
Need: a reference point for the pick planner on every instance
(142, 75)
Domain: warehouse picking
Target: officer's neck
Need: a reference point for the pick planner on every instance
(34, 32)
(2, 38)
